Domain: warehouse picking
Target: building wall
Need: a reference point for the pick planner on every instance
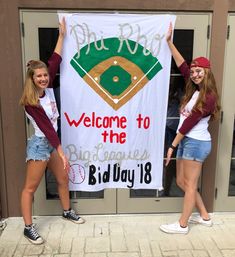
(13, 131)
(231, 6)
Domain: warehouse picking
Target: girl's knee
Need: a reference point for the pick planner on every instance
(29, 190)
(190, 188)
(180, 183)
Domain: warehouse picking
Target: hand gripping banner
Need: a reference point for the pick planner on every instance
(114, 89)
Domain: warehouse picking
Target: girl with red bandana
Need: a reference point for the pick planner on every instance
(193, 140)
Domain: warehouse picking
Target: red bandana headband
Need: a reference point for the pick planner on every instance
(201, 62)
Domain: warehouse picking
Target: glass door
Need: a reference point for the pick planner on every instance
(38, 41)
(225, 180)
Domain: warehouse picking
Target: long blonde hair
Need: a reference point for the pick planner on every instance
(30, 94)
(208, 86)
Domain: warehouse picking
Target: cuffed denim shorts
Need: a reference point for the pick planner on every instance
(38, 148)
(193, 149)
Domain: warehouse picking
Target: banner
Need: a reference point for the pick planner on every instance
(114, 89)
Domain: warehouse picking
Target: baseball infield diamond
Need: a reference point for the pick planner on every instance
(115, 74)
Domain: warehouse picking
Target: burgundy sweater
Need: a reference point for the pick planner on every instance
(38, 113)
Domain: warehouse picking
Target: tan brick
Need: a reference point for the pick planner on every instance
(97, 244)
(185, 253)
(33, 249)
(228, 253)
(132, 243)
(199, 253)
(170, 254)
(145, 249)
(123, 255)
(78, 245)
(118, 244)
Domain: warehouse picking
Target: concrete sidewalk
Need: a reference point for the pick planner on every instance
(120, 236)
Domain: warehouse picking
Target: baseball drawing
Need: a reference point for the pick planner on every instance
(76, 174)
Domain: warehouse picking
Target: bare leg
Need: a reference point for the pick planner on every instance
(34, 173)
(180, 182)
(192, 170)
(55, 164)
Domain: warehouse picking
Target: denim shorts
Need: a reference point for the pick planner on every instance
(38, 148)
(193, 149)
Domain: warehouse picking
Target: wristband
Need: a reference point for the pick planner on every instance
(172, 147)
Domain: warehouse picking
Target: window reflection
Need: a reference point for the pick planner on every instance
(169, 183)
(169, 172)
(231, 190)
(175, 94)
(183, 40)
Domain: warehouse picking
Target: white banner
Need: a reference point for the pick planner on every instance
(114, 89)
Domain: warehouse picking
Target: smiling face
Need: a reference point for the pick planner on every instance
(41, 79)
(197, 74)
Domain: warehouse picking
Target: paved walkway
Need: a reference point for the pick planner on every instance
(120, 236)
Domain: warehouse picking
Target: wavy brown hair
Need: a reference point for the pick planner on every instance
(208, 86)
(30, 94)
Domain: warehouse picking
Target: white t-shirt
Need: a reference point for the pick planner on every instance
(48, 103)
(200, 130)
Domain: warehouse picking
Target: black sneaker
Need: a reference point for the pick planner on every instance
(72, 216)
(32, 235)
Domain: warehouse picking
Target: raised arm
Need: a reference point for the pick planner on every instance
(55, 60)
(179, 59)
(62, 32)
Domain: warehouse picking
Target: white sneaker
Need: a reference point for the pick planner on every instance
(197, 219)
(174, 228)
